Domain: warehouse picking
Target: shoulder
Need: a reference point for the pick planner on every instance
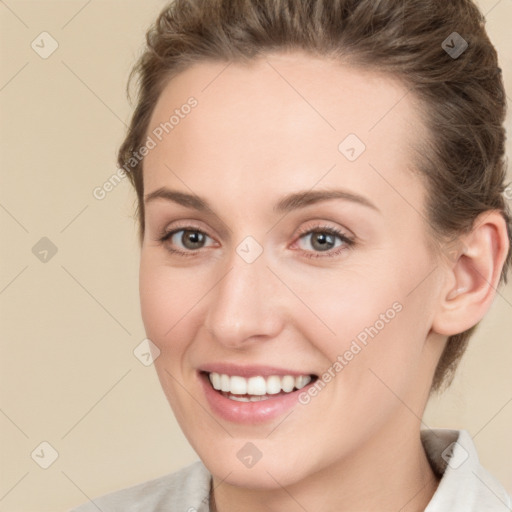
(464, 486)
(187, 490)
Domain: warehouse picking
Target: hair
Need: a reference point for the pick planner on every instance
(462, 99)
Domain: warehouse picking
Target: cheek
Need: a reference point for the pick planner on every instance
(168, 298)
(341, 305)
(369, 319)
(374, 355)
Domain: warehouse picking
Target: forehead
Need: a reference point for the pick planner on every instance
(281, 117)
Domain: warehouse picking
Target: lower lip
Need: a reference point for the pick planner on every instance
(249, 412)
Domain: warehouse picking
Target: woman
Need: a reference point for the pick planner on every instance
(323, 224)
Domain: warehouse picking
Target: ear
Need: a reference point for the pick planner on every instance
(472, 273)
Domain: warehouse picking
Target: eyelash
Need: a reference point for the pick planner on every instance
(347, 241)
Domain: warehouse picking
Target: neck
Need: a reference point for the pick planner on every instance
(386, 475)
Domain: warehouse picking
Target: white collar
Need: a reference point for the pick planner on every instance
(465, 485)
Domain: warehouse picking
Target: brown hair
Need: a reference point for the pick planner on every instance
(463, 96)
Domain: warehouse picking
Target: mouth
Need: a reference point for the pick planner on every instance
(257, 388)
(255, 394)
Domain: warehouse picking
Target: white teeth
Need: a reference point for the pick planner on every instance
(256, 398)
(238, 385)
(239, 398)
(256, 387)
(288, 383)
(302, 381)
(273, 385)
(224, 382)
(215, 380)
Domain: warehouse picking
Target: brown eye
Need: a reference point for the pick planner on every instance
(322, 241)
(192, 239)
(186, 240)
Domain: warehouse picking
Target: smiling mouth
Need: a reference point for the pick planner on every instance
(257, 388)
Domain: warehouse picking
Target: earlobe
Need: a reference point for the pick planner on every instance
(472, 275)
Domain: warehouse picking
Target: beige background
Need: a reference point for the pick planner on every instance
(69, 325)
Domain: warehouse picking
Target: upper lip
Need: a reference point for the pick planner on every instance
(250, 370)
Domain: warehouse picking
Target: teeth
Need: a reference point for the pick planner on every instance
(302, 381)
(256, 387)
(256, 398)
(247, 399)
(239, 398)
(288, 383)
(215, 380)
(273, 385)
(225, 383)
(238, 385)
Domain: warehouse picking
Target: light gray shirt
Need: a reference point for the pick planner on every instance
(465, 485)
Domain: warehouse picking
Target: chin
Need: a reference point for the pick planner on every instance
(270, 476)
(255, 464)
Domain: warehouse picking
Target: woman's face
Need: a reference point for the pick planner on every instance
(292, 251)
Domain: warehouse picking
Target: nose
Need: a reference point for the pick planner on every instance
(244, 305)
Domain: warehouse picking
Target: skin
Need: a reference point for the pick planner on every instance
(253, 139)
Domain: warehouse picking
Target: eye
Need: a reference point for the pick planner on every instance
(186, 240)
(328, 240)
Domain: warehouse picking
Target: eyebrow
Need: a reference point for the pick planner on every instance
(188, 200)
(287, 204)
(303, 199)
